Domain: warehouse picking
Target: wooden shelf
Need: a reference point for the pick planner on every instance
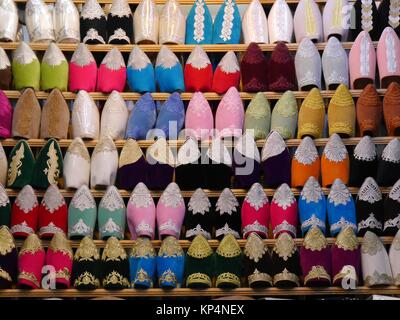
(186, 194)
(182, 2)
(13, 94)
(127, 244)
(175, 48)
(64, 143)
(185, 292)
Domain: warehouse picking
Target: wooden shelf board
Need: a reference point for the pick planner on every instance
(186, 243)
(185, 292)
(64, 143)
(176, 48)
(182, 2)
(13, 94)
(185, 194)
